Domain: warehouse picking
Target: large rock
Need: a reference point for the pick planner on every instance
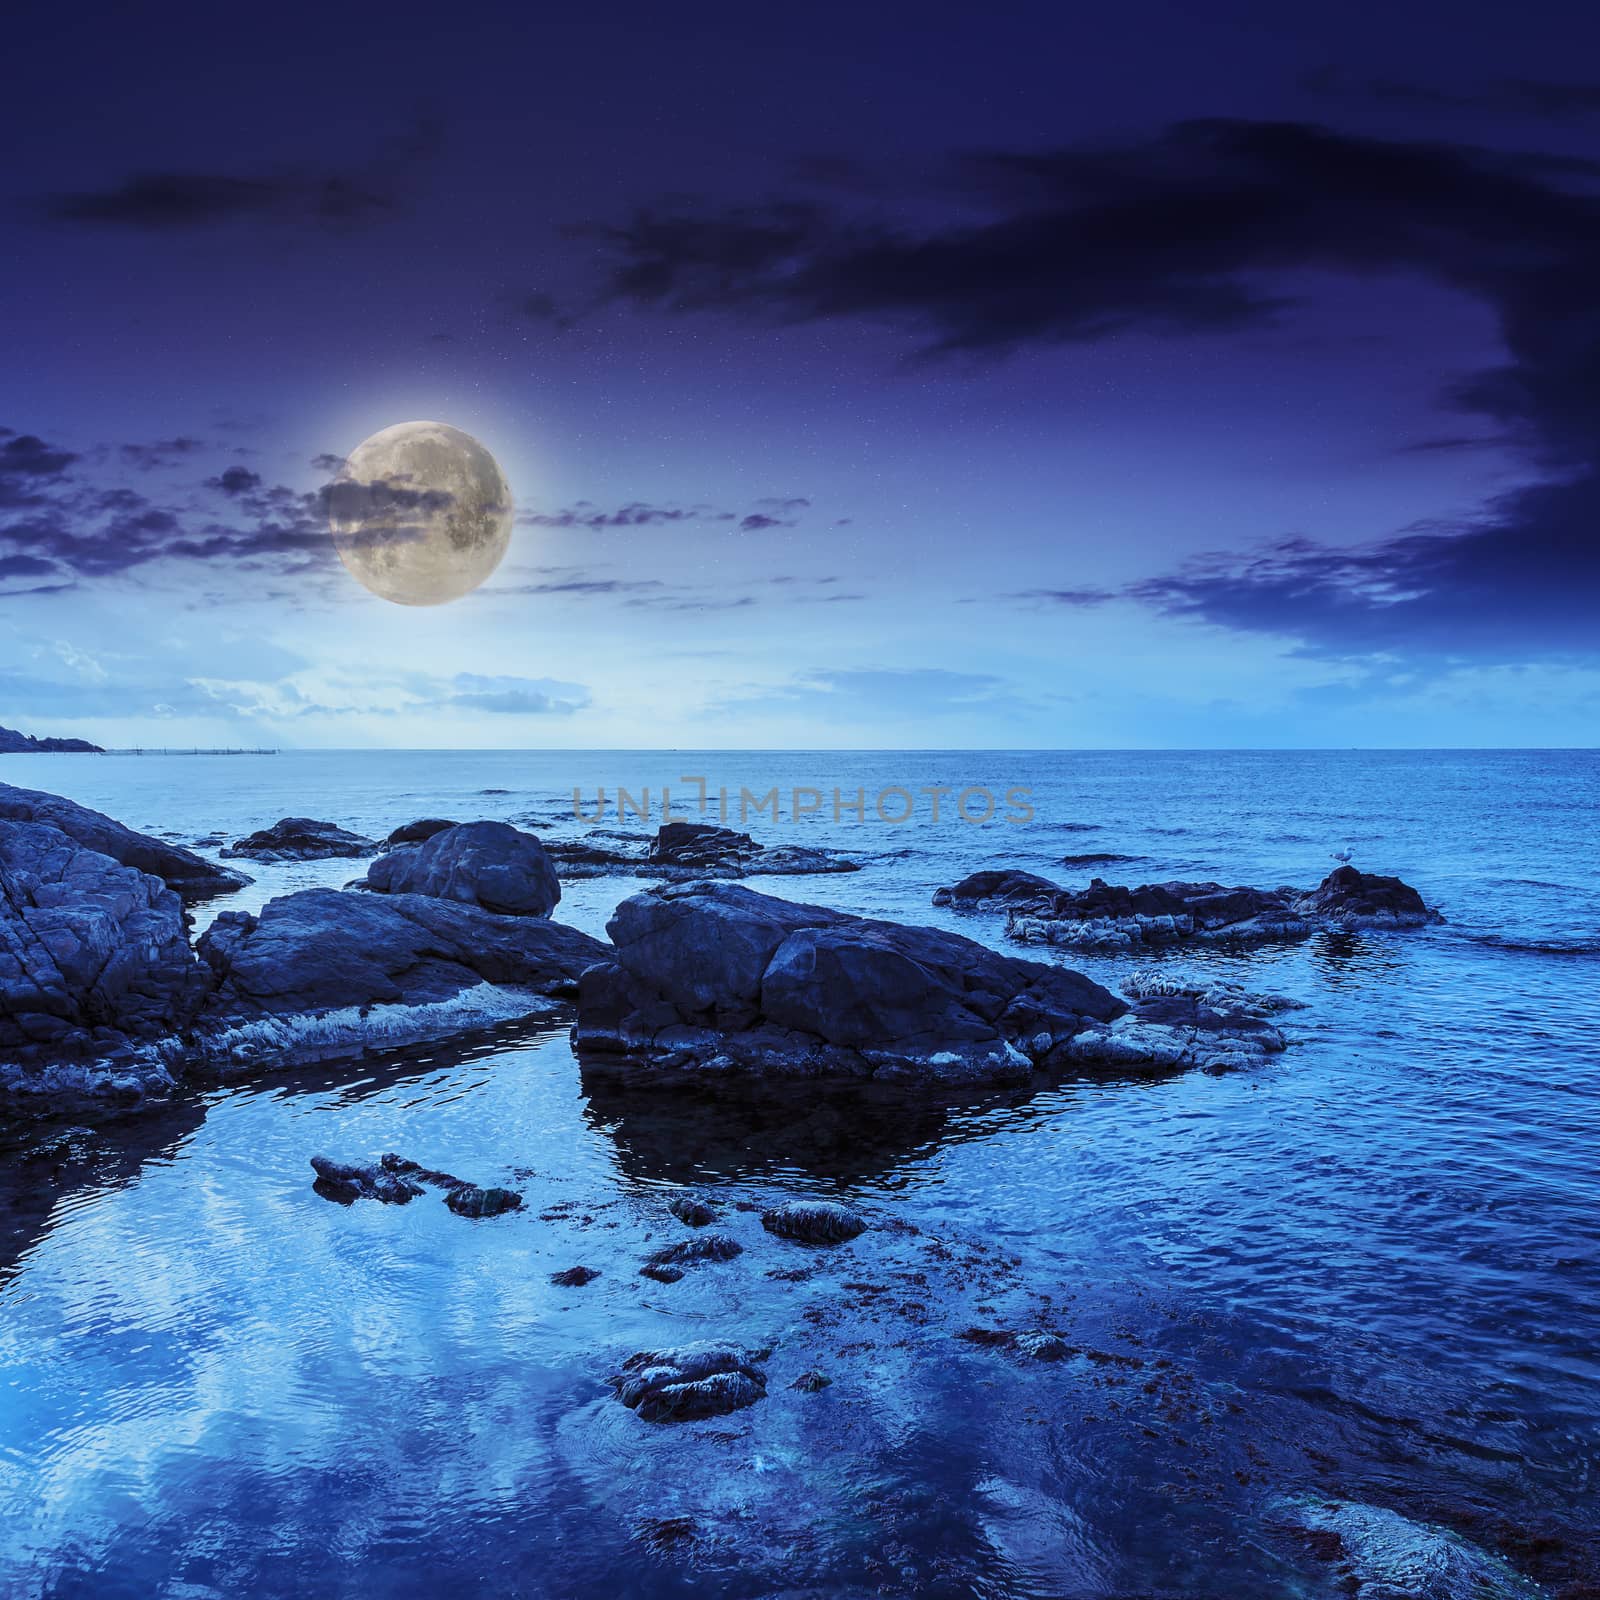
(189, 875)
(487, 864)
(416, 832)
(698, 844)
(86, 944)
(1352, 899)
(301, 839)
(715, 977)
(322, 970)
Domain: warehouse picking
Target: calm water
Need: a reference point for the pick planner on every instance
(1370, 1268)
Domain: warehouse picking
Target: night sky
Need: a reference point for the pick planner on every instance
(1020, 376)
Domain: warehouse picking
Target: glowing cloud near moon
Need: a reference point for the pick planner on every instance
(421, 513)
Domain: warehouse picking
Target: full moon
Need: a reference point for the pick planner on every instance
(421, 513)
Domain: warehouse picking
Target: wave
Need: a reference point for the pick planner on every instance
(1579, 945)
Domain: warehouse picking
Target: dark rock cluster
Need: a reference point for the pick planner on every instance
(301, 839)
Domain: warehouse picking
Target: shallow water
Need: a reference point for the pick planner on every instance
(1370, 1267)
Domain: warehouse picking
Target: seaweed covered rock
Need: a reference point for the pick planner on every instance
(301, 839)
(713, 977)
(486, 864)
(188, 875)
(812, 1222)
(695, 1380)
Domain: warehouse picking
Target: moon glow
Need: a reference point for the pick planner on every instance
(420, 514)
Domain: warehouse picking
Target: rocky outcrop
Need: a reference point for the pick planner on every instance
(323, 970)
(417, 832)
(1174, 1025)
(189, 875)
(1113, 916)
(1003, 890)
(348, 1181)
(1351, 899)
(716, 978)
(301, 839)
(94, 956)
(13, 743)
(486, 864)
(696, 1380)
(681, 851)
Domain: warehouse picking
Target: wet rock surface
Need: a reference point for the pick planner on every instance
(681, 851)
(1113, 916)
(190, 876)
(301, 839)
(348, 1181)
(702, 1247)
(813, 1222)
(334, 959)
(470, 1201)
(486, 864)
(692, 1381)
(573, 1277)
(714, 977)
(691, 1210)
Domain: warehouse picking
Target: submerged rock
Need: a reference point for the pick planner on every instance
(695, 1380)
(1384, 1556)
(812, 1382)
(812, 1222)
(486, 864)
(301, 839)
(417, 1173)
(190, 876)
(471, 1201)
(704, 1247)
(691, 1210)
(661, 1271)
(347, 1181)
(573, 1277)
(716, 978)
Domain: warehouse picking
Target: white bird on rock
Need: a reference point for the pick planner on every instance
(1343, 856)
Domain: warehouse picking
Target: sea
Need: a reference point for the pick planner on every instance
(1367, 1272)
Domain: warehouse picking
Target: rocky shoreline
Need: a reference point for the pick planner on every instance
(105, 999)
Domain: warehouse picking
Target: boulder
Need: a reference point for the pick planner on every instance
(715, 977)
(695, 1380)
(189, 875)
(416, 832)
(691, 1210)
(1001, 890)
(322, 970)
(487, 864)
(471, 1201)
(301, 839)
(1348, 898)
(698, 844)
(92, 953)
(702, 1247)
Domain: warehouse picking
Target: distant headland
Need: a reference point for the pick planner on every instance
(13, 743)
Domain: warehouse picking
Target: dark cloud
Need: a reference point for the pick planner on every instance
(1533, 97)
(163, 453)
(165, 201)
(1205, 229)
(768, 513)
(28, 466)
(235, 480)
